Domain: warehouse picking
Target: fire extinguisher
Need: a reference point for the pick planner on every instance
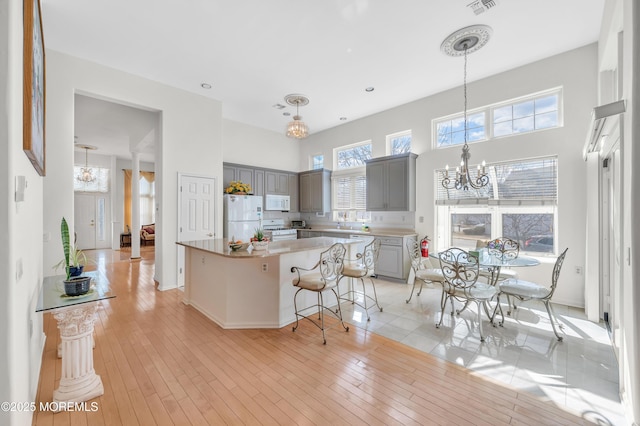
(424, 246)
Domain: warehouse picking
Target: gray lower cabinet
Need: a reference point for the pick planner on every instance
(315, 191)
(391, 183)
(393, 259)
(306, 234)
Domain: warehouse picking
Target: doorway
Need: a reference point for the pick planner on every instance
(196, 215)
(92, 216)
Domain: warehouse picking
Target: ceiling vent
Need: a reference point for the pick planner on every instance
(603, 118)
(481, 6)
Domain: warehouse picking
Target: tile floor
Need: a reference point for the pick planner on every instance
(580, 373)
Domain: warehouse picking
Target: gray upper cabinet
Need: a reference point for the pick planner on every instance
(258, 182)
(231, 172)
(263, 181)
(294, 192)
(276, 182)
(391, 183)
(315, 191)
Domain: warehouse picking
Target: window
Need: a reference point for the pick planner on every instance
(352, 155)
(349, 182)
(317, 161)
(147, 201)
(520, 203)
(399, 143)
(529, 113)
(100, 184)
(451, 131)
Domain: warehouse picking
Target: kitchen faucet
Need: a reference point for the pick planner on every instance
(338, 225)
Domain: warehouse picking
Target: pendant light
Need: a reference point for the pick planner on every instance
(461, 43)
(86, 173)
(297, 128)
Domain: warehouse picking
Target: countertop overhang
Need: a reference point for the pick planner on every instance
(375, 233)
(220, 247)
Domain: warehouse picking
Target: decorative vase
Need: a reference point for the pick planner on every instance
(260, 245)
(77, 286)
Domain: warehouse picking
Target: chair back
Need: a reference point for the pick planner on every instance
(460, 270)
(556, 271)
(369, 256)
(332, 262)
(415, 255)
(503, 248)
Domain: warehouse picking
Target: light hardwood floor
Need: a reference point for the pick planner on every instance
(162, 362)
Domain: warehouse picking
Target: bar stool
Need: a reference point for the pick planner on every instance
(328, 270)
(360, 268)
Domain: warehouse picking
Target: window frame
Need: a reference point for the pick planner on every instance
(312, 164)
(397, 135)
(345, 148)
(489, 123)
(541, 198)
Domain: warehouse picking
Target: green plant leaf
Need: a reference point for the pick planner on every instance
(66, 245)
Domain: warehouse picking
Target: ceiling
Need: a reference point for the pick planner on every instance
(254, 52)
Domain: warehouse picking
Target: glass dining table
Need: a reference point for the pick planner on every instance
(494, 262)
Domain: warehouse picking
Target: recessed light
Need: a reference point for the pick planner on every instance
(369, 89)
(343, 118)
(286, 114)
(205, 86)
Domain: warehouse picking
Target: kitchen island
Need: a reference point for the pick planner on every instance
(249, 288)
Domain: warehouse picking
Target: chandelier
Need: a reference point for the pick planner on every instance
(461, 43)
(86, 173)
(296, 128)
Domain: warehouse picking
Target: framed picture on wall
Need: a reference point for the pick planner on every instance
(33, 142)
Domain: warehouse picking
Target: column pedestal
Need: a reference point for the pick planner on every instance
(79, 381)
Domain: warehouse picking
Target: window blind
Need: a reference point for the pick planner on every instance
(521, 182)
(349, 191)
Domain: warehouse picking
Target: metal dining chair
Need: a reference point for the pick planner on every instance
(422, 268)
(360, 268)
(526, 290)
(324, 279)
(461, 272)
(504, 249)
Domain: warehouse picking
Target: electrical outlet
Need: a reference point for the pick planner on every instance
(265, 267)
(579, 270)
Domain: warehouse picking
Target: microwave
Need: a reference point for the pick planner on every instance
(277, 202)
(298, 224)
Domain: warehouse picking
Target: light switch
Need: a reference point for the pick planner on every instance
(21, 184)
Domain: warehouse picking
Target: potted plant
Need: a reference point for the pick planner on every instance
(259, 241)
(238, 188)
(73, 258)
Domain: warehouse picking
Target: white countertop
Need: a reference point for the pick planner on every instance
(376, 232)
(220, 247)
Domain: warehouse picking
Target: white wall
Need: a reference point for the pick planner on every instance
(191, 132)
(20, 233)
(244, 144)
(575, 71)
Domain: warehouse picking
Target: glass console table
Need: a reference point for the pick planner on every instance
(75, 316)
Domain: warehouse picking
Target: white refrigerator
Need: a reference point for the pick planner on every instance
(242, 216)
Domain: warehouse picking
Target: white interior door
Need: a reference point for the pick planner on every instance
(92, 221)
(196, 218)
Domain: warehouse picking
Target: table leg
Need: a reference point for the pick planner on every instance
(79, 381)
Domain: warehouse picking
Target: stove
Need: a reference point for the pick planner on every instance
(276, 230)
